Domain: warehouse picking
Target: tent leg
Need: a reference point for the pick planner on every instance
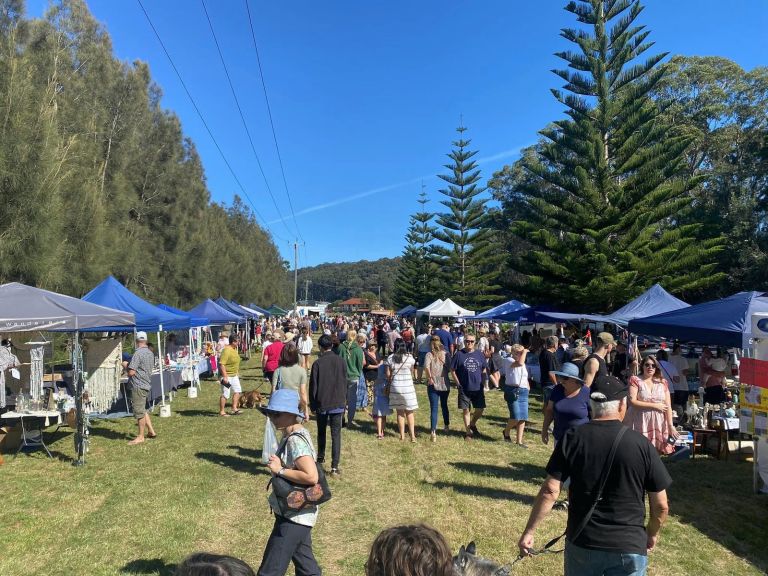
(162, 364)
(81, 430)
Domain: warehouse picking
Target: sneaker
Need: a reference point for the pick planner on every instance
(561, 505)
(507, 437)
(474, 429)
(433, 437)
(335, 472)
(320, 460)
(352, 425)
(468, 436)
(447, 428)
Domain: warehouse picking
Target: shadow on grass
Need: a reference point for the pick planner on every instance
(235, 463)
(515, 471)
(483, 491)
(154, 566)
(111, 434)
(246, 452)
(194, 412)
(727, 516)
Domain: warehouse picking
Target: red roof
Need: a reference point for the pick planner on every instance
(354, 302)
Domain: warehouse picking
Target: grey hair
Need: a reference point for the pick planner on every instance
(604, 408)
(551, 341)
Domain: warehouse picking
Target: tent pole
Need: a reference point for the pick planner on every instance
(80, 430)
(162, 365)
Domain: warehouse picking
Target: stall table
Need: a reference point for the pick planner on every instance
(32, 425)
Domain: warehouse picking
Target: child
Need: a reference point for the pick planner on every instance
(381, 407)
(415, 550)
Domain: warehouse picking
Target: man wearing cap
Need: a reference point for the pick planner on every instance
(606, 532)
(468, 366)
(140, 382)
(229, 368)
(595, 364)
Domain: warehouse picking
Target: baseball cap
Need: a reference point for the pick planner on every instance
(141, 335)
(606, 338)
(608, 388)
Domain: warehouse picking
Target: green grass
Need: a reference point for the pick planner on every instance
(200, 486)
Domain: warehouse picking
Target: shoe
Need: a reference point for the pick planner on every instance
(320, 460)
(352, 425)
(446, 428)
(507, 437)
(474, 429)
(413, 440)
(335, 472)
(433, 437)
(562, 505)
(468, 436)
(523, 446)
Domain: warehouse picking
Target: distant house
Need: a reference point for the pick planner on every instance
(354, 306)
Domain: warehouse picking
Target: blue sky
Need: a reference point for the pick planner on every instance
(366, 95)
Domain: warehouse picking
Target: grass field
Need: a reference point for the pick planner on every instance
(200, 486)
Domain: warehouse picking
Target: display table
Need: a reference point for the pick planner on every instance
(32, 425)
(171, 382)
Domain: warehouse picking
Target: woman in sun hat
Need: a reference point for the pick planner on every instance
(291, 537)
(568, 406)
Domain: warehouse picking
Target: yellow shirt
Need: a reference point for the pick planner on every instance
(230, 360)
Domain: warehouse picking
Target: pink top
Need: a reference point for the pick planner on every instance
(650, 423)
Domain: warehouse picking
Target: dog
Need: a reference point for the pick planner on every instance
(250, 399)
(468, 563)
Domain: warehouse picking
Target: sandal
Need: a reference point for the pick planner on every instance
(237, 413)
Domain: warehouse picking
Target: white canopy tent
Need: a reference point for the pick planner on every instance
(445, 308)
(427, 309)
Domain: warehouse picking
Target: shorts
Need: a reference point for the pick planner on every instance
(234, 386)
(517, 402)
(139, 402)
(471, 399)
(268, 375)
(421, 358)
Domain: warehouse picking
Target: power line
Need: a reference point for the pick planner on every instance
(271, 121)
(205, 124)
(242, 116)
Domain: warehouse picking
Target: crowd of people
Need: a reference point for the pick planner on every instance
(374, 367)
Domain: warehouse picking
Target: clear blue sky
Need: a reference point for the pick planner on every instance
(366, 95)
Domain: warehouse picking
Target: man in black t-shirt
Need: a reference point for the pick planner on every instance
(548, 364)
(615, 537)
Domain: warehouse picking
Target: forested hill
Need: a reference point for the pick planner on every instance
(96, 178)
(339, 281)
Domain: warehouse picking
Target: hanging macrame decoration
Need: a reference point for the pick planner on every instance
(103, 364)
(36, 371)
(7, 360)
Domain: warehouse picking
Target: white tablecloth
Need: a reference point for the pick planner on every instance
(52, 417)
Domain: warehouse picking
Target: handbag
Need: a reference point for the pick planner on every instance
(293, 497)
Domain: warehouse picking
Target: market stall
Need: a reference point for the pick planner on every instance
(28, 309)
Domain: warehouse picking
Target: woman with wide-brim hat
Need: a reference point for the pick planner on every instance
(291, 537)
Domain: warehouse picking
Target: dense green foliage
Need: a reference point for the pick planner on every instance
(96, 178)
(607, 202)
(417, 279)
(333, 282)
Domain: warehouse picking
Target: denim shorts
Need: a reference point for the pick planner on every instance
(517, 402)
(421, 358)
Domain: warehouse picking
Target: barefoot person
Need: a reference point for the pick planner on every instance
(229, 368)
(140, 382)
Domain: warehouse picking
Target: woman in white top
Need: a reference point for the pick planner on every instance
(516, 388)
(305, 347)
(402, 392)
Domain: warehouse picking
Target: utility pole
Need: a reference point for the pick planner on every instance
(296, 277)
(306, 291)
(379, 295)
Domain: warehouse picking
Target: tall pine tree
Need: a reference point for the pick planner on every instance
(416, 282)
(606, 196)
(467, 258)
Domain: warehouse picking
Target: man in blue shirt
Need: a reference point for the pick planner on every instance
(446, 339)
(467, 368)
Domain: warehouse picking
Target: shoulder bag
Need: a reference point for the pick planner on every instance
(601, 485)
(293, 497)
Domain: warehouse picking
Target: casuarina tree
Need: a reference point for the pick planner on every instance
(468, 260)
(605, 194)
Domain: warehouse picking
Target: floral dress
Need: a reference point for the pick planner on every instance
(650, 423)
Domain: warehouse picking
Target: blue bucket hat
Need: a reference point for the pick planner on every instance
(568, 370)
(283, 400)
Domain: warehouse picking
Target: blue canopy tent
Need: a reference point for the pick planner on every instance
(409, 310)
(723, 322)
(509, 311)
(149, 318)
(653, 301)
(217, 316)
(234, 308)
(253, 306)
(194, 321)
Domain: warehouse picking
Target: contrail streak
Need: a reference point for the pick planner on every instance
(388, 187)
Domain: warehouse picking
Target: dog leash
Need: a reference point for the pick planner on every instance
(539, 552)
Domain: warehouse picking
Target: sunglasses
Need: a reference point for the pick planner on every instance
(649, 365)
(469, 341)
